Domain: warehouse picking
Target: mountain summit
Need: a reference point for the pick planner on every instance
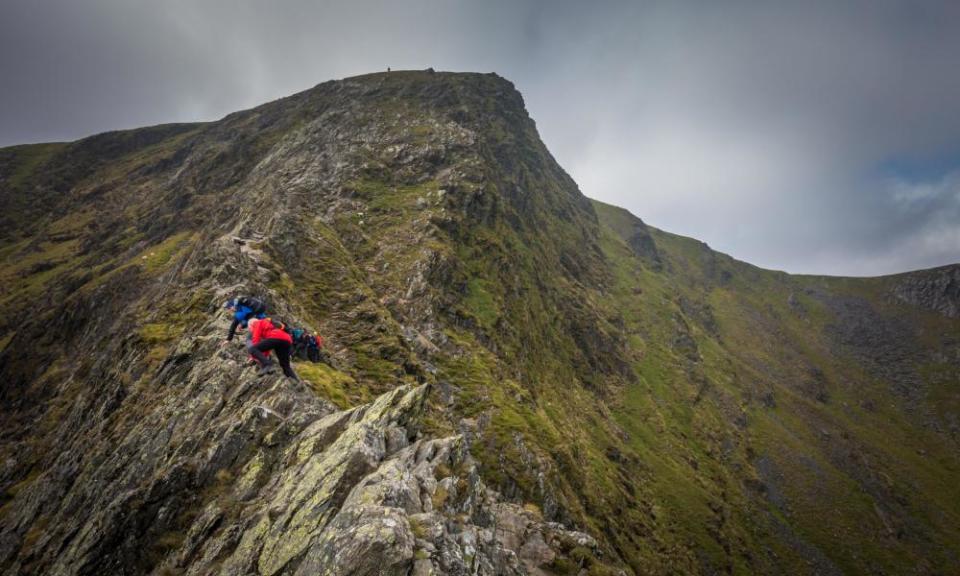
(519, 380)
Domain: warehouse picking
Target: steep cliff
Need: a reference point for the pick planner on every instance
(521, 380)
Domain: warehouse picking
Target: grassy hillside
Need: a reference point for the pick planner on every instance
(821, 400)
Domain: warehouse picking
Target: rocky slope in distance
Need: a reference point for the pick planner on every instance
(522, 381)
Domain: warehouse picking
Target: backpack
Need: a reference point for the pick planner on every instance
(256, 304)
(301, 343)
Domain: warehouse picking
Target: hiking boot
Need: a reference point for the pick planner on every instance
(264, 370)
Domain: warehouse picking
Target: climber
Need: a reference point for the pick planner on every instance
(314, 344)
(267, 335)
(306, 346)
(244, 308)
(299, 343)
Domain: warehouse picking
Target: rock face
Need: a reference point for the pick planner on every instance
(937, 290)
(291, 486)
(518, 380)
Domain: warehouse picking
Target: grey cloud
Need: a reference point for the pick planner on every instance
(762, 129)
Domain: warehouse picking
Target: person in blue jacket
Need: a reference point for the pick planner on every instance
(244, 309)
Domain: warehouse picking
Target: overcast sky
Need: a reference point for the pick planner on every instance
(815, 138)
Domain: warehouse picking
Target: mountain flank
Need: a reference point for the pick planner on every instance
(521, 380)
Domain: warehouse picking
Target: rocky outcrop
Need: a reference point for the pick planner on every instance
(642, 244)
(263, 477)
(937, 290)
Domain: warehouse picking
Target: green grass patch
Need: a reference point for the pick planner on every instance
(158, 333)
(481, 303)
(338, 387)
(156, 258)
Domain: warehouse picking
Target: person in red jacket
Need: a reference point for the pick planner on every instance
(267, 335)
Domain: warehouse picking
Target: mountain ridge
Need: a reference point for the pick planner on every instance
(690, 412)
